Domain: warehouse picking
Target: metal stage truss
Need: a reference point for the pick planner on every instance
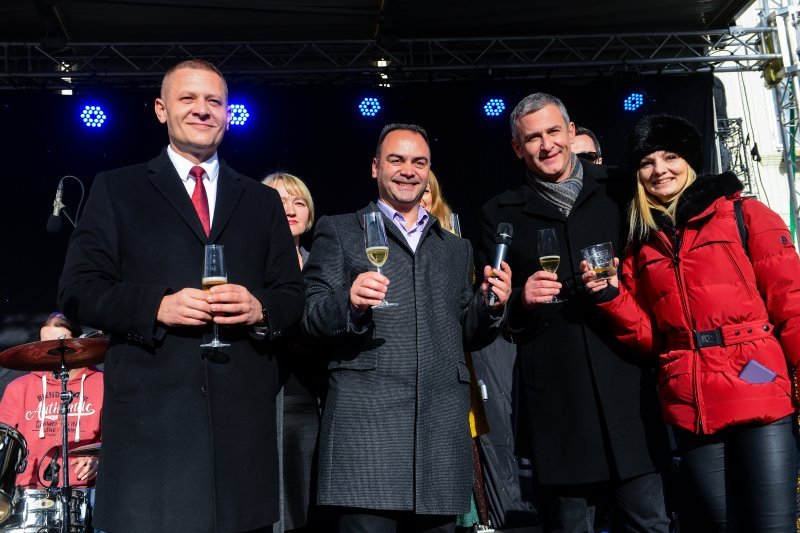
(784, 17)
(67, 65)
(734, 151)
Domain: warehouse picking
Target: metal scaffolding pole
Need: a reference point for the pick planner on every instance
(782, 16)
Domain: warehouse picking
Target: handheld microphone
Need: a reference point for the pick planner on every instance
(54, 222)
(503, 240)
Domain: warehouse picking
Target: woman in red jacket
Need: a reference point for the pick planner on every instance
(723, 317)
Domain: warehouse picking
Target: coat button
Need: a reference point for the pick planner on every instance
(204, 390)
(749, 330)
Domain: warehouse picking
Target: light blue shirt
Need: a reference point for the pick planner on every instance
(412, 235)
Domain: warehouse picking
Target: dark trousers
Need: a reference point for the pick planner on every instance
(740, 479)
(635, 504)
(355, 520)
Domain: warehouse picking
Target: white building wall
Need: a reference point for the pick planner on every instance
(749, 99)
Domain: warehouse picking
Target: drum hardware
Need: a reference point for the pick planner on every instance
(13, 460)
(50, 355)
(58, 356)
(41, 511)
(86, 449)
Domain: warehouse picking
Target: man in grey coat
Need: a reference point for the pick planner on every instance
(395, 449)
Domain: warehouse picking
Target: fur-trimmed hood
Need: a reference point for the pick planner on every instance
(702, 193)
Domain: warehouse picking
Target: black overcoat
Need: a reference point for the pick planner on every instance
(189, 442)
(590, 410)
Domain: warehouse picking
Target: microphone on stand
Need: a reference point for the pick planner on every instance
(54, 222)
(503, 240)
(51, 472)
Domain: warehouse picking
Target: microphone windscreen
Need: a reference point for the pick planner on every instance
(504, 233)
(54, 224)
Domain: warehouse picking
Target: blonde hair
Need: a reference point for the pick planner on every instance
(295, 187)
(640, 216)
(439, 207)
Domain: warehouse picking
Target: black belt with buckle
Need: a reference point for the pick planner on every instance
(704, 339)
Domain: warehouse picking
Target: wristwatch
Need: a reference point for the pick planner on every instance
(263, 321)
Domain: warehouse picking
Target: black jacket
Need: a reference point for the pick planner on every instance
(590, 412)
(175, 423)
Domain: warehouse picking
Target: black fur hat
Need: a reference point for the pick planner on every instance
(665, 132)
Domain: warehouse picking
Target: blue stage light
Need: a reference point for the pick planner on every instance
(93, 116)
(494, 107)
(633, 102)
(239, 114)
(369, 107)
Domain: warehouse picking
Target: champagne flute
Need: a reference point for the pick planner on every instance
(549, 255)
(214, 273)
(376, 245)
(455, 225)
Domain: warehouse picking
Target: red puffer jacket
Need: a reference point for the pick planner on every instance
(696, 298)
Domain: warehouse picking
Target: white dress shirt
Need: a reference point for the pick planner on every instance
(211, 166)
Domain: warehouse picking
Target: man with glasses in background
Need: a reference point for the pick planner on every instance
(586, 146)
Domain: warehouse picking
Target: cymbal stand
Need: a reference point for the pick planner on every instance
(66, 398)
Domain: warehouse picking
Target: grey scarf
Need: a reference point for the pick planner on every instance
(564, 193)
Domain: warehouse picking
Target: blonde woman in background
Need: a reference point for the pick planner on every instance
(304, 382)
(434, 203)
(298, 204)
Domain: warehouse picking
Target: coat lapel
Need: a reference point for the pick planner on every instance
(165, 179)
(590, 174)
(229, 190)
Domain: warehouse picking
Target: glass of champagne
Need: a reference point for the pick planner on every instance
(377, 246)
(549, 255)
(214, 273)
(455, 225)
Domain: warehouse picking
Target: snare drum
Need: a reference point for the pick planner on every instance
(13, 459)
(39, 510)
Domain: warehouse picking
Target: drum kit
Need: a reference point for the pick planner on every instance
(45, 510)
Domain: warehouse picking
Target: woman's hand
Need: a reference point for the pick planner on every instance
(594, 285)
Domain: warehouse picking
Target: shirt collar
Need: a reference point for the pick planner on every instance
(398, 218)
(183, 165)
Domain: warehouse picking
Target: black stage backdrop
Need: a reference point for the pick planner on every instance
(314, 132)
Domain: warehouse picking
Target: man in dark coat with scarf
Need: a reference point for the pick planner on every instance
(189, 436)
(590, 414)
(395, 443)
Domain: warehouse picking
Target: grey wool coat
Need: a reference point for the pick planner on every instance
(395, 433)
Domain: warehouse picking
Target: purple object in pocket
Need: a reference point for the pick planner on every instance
(754, 372)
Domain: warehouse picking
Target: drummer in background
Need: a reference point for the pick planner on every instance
(32, 402)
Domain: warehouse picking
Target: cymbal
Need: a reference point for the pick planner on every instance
(46, 355)
(88, 449)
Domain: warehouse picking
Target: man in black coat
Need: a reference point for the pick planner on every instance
(189, 436)
(591, 415)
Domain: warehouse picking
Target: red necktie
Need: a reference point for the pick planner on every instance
(200, 199)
